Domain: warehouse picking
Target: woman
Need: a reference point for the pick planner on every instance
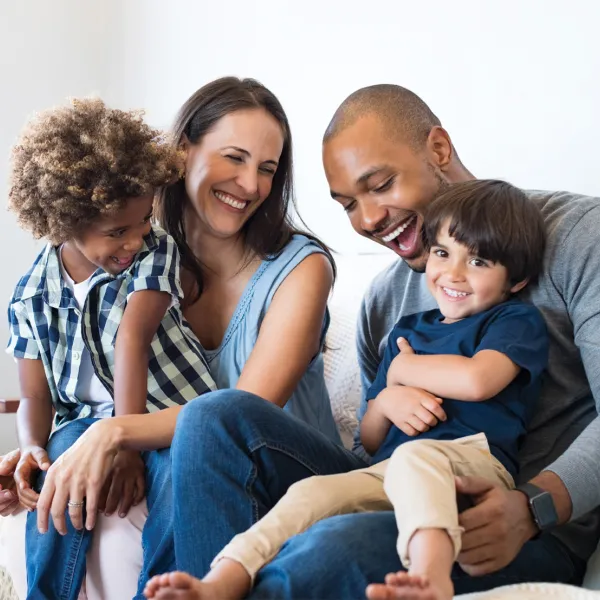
(256, 294)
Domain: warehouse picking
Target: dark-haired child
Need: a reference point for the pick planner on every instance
(461, 379)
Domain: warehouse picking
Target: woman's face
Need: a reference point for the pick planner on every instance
(229, 173)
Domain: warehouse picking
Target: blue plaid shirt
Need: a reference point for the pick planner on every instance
(46, 324)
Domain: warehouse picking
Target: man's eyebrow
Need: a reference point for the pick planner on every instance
(369, 173)
(246, 153)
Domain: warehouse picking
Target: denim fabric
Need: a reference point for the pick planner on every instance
(234, 455)
(56, 563)
(337, 558)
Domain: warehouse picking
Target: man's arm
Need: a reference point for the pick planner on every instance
(142, 316)
(574, 478)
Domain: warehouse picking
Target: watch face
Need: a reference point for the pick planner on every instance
(544, 511)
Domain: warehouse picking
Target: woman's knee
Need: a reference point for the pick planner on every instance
(229, 407)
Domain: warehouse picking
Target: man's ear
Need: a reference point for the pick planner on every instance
(519, 286)
(439, 147)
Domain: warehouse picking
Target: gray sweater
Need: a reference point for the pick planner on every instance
(564, 436)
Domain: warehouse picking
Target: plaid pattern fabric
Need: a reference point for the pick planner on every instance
(46, 323)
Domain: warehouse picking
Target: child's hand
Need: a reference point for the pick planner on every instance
(33, 458)
(397, 366)
(411, 410)
(125, 486)
(404, 346)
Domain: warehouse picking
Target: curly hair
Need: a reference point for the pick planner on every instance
(76, 163)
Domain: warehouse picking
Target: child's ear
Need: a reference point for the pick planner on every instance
(519, 286)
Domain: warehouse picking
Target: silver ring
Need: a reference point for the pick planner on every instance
(75, 504)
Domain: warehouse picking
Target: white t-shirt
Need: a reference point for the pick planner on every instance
(89, 387)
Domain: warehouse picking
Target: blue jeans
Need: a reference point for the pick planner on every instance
(56, 563)
(234, 455)
(337, 558)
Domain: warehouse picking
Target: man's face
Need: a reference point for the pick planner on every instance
(384, 186)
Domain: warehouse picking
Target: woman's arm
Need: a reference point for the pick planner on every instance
(82, 470)
(290, 334)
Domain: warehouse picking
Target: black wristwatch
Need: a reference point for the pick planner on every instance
(541, 506)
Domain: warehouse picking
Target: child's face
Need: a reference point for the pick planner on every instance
(464, 284)
(114, 240)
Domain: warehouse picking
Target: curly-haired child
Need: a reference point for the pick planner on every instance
(96, 324)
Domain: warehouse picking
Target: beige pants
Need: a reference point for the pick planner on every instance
(417, 482)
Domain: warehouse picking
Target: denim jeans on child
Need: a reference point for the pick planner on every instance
(56, 563)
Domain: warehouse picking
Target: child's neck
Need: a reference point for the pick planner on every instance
(77, 266)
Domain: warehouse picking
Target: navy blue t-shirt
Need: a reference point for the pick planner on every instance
(513, 328)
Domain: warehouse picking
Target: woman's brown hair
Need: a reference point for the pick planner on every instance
(271, 227)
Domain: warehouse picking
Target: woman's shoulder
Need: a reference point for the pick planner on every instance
(301, 262)
(299, 245)
(299, 248)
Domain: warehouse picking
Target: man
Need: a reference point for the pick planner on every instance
(386, 156)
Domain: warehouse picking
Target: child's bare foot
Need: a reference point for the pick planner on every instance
(174, 585)
(408, 586)
(227, 581)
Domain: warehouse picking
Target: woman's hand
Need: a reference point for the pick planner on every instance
(77, 477)
(9, 500)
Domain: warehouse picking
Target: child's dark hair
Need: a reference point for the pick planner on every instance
(496, 221)
(76, 163)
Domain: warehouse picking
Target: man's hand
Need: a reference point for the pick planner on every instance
(411, 410)
(496, 528)
(9, 500)
(33, 458)
(126, 484)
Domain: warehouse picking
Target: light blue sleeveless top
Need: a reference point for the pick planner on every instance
(310, 400)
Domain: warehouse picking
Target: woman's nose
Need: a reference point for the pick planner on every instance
(247, 179)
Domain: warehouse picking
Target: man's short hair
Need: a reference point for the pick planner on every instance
(496, 221)
(403, 114)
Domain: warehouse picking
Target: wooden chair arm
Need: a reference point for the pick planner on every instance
(8, 406)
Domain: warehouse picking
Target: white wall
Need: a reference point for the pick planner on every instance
(515, 82)
(48, 51)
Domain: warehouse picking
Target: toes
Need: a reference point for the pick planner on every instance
(181, 581)
(378, 591)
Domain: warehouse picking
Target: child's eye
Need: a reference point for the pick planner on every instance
(440, 253)
(117, 234)
(478, 262)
